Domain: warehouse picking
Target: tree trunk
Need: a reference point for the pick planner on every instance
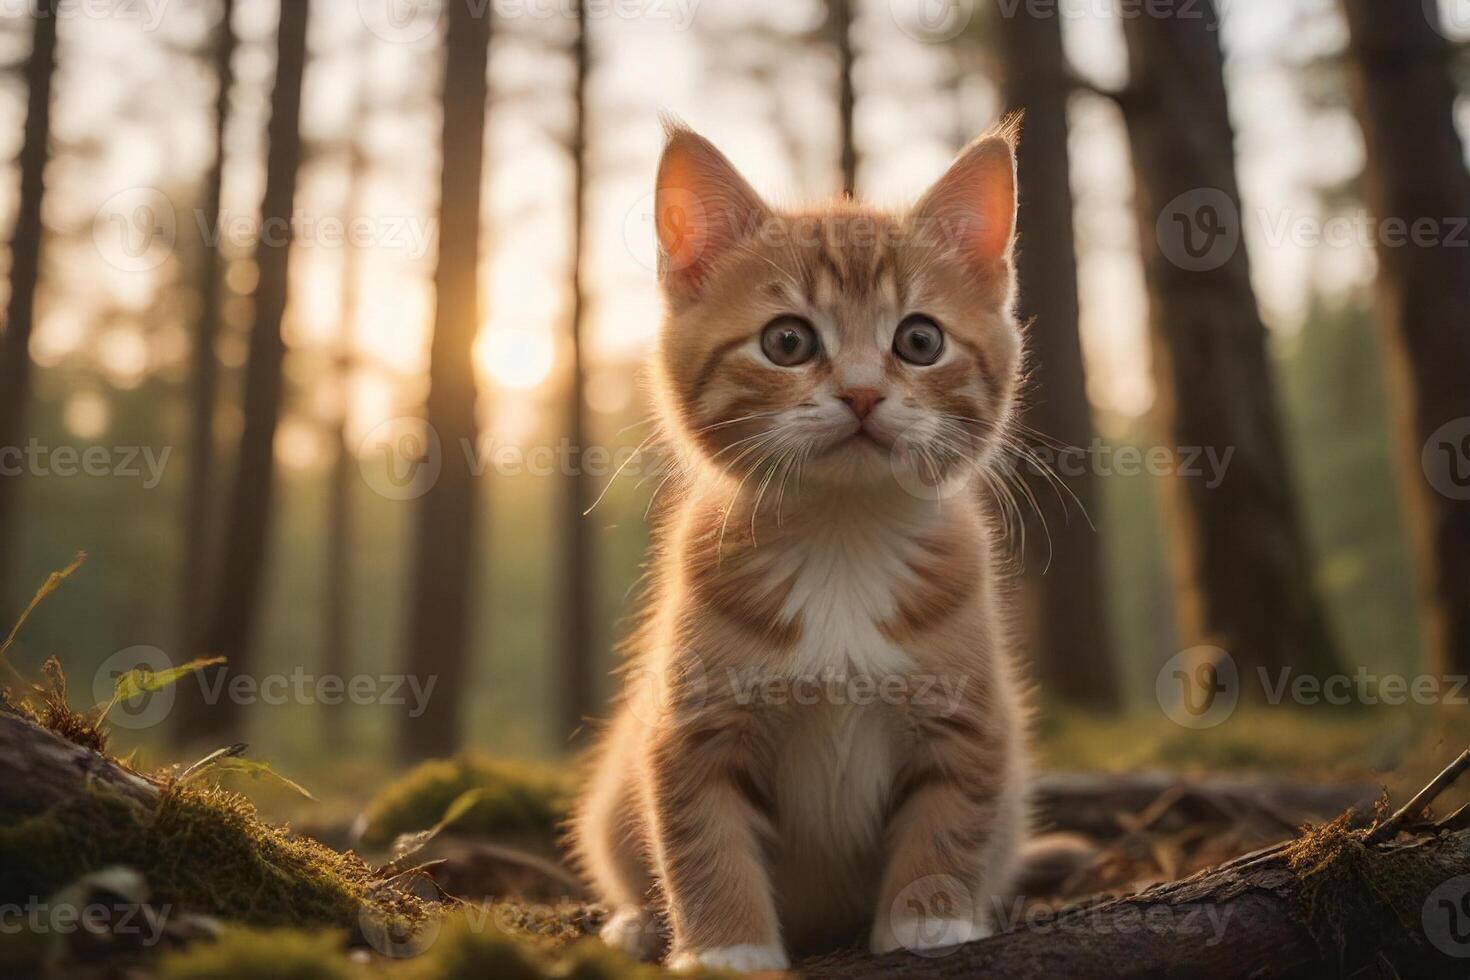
(25, 266)
(337, 577)
(1405, 100)
(231, 629)
(448, 518)
(1243, 574)
(839, 23)
(1252, 918)
(1070, 635)
(578, 614)
(195, 592)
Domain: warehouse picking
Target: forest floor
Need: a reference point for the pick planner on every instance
(455, 868)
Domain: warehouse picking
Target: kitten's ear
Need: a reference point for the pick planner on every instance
(973, 206)
(702, 208)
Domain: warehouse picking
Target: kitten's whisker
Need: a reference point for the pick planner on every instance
(619, 472)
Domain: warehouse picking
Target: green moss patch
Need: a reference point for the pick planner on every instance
(1362, 896)
(517, 800)
(262, 954)
(202, 849)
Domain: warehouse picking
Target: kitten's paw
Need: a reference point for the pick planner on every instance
(632, 931)
(745, 958)
(924, 935)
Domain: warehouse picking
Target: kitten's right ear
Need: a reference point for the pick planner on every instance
(702, 209)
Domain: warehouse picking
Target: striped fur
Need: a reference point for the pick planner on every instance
(822, 737)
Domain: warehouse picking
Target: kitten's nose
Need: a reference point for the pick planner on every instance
(862, 401)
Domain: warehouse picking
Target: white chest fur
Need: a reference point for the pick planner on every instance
(846, 575)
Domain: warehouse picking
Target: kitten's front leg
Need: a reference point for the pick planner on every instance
(956, 822)
(709, 826)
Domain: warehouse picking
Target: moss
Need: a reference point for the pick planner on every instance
(262, 954)
(516, 800)
(1348, 886)
(474, 944)
(474, 948)
(48, 707)
(203, 849)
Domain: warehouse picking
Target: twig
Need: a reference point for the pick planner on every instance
(1421, 801)
(1458, 820)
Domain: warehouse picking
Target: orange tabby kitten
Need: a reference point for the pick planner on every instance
(822, 739)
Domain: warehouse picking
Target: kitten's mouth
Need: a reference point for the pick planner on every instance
(862, 438)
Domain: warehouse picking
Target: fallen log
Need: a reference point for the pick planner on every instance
(1338, 901)
(1265, 919)
(1092, 803)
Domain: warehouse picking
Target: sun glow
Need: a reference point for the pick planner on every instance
(516, 358)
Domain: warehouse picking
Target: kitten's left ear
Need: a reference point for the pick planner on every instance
(703, 208)
(973, 206)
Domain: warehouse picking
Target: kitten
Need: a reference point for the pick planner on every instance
(821, 738)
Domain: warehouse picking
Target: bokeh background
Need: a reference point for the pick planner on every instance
(153, 333)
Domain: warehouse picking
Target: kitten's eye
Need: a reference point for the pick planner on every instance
(919, 340)
(789, 341)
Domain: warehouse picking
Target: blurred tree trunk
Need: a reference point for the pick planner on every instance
(1405, 100)
(448, 517)
(195, 592)
(1244, 577)
(839, 27)
(25, 263)
(1071, 639)
(231, 627)
(337, 591)
(578, 687)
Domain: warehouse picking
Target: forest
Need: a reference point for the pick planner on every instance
(327, 463)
